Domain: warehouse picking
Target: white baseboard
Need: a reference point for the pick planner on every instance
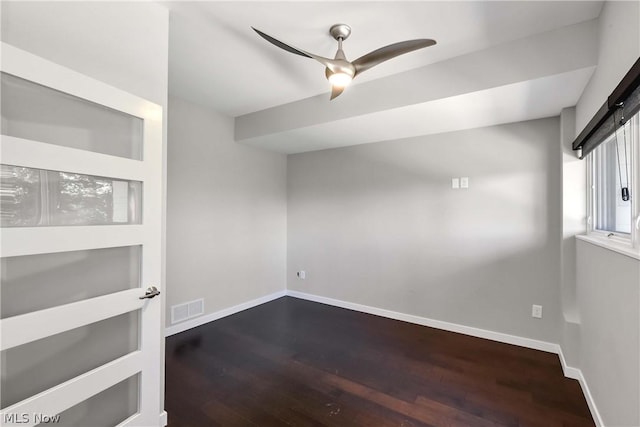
(438, 324)
(164, 420)
(589, 398)
(192, 323)
(569, 371)
(576, 374)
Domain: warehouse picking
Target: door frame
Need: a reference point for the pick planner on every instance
(148, 360)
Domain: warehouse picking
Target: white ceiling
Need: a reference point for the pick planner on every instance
(216, 60)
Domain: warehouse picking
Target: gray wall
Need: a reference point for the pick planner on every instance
(618, 49)
(379, 225)
(604, 343)
(608, 298)
(574, 206)
(226, 213)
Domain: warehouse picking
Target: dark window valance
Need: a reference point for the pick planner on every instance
(624, 101)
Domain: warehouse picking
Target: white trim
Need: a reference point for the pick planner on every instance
(135, 419)
(569, 371)
(18, 241)
(189, 324)
(28, 66)
(70, 393)
(25, 328)
(611, 245)
(438, 324)
(634, 180)
(41, 155)
(131, 421)
(626, 244)
(35, 240)
(589, 398)
(576, 374)
(164, 419)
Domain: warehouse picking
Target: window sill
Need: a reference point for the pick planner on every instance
(611, 245)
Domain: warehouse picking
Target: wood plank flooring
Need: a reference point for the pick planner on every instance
(292, 362)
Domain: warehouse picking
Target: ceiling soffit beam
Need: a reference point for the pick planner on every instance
(545, 97)
(569, 48)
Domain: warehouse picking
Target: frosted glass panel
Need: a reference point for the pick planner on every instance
(34, 197)
(35, 282)
(39, 113)
(37, 366)
(106, 409)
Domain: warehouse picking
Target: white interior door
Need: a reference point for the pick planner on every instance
(80, 208)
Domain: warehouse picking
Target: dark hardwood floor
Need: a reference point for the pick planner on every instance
(299, 363)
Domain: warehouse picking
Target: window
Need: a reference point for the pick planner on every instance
(614, 169)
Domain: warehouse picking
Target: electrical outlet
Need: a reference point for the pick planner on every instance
(464, 182)
(301, 275)
(536, 311)
(455, 183)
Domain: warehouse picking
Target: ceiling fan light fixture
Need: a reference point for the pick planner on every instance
(339, 71)
(340, 79)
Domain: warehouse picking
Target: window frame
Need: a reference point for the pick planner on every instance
(617, 240)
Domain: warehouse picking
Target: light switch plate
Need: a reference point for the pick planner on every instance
(464, 182)
(455, 183)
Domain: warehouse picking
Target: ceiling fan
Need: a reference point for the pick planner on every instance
(338, 70)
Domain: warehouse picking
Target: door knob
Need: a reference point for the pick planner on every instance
(151, 292)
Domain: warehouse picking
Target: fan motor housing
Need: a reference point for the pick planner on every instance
(340, 31)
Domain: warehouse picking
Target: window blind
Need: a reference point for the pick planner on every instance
(623, 102)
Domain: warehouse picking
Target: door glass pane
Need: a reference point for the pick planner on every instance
(107, 408)
(35, 282)
(39, 113)
(39, 365)
(35, 197)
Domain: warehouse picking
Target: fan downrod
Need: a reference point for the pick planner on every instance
(340, 31)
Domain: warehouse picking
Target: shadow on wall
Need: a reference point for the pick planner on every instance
(380, 225)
